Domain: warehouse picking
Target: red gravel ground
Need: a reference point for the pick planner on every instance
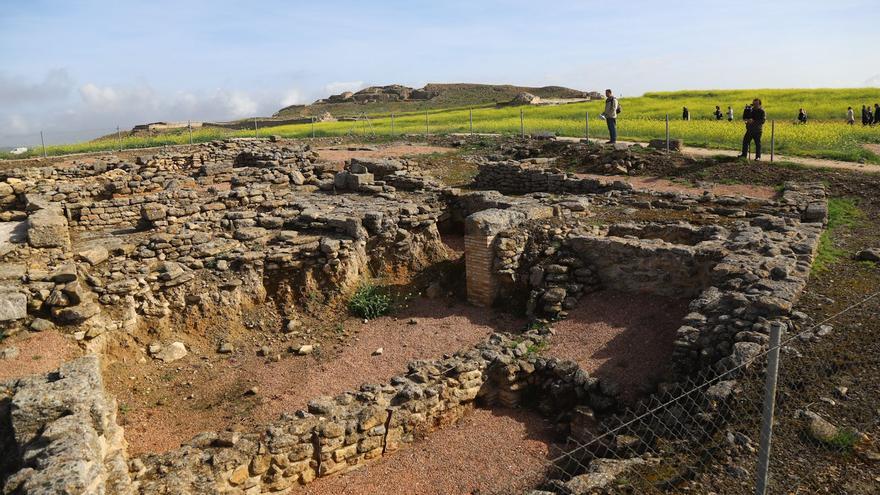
(392, 151)
(438, 328)
(217, 384)
(39, 352)
(665, 185)
(625, 337)
(497, 451)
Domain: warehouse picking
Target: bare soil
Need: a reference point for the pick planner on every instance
(338, 154)
(666, 185)
(623, 337)
(164, 405)
(39, 352)
(487, 451)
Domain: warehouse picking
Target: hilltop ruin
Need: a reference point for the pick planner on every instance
(131, 258)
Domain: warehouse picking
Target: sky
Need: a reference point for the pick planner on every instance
(78, 69)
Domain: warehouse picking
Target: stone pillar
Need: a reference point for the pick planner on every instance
(481, 228)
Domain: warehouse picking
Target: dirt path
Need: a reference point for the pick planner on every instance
(665, 185)
(339, 154)
(800, 160)
(497, 451)
(625, 337)
(166, 405)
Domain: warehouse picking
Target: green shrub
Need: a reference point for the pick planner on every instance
(369, 302)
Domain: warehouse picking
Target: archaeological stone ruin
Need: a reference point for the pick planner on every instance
(111, 250)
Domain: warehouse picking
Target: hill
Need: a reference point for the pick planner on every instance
(378, 100)
(825, 136)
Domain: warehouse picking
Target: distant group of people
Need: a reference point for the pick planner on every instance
(753, 115)
(718, 113)
(868, 117)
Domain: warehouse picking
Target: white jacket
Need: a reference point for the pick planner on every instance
(611, 106)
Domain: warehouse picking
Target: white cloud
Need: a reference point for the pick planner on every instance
(94, 109)
(337, 87)
(873, 81)
(292, 97)
(17, 90)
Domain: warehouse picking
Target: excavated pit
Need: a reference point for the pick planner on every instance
(213, 283)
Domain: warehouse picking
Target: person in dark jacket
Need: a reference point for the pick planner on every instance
(802, 116)
(866, 119)
(754, 129)
(876, 113)
(718, 114)
(685, 113)
(747, 112)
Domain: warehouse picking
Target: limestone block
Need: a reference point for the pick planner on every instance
(47, 228)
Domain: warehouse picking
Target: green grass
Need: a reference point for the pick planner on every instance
(643, 118)
(842, 212)
(370, 302)
(845, 439)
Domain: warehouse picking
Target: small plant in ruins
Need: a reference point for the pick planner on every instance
(369, 301)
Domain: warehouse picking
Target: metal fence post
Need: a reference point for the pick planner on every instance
(667, 133)
(522, 125)
(587, 127)
(392, 124)
(119, 138)
(190, 126)
(255, 128)
(769, 409)
(471, 119)
(313, 127)
(43, 143)
(772, 139)
(426, 123)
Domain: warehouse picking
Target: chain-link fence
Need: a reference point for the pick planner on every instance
(807, 429)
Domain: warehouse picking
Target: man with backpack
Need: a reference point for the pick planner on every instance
(754, 128)
(612, 108)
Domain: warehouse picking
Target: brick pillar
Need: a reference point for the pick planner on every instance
(478, 256)
(481, 228)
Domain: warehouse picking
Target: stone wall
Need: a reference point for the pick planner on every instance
(65, 436)
(131, 233)
(514, 177)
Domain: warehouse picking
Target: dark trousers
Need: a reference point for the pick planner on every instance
(752, 135)
(612, 129)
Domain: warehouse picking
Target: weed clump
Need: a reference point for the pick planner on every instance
(369, 301)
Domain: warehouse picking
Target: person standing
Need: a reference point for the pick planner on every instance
(612, 108)
(865, 117)
(850, 116)
(876, 113)
(718, 115)
(685, 113)
(729, 113)
(754, 129)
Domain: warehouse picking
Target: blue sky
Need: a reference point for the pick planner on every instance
(78, 68)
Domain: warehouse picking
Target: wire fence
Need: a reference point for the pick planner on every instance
(510, 121)
(735, 432)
